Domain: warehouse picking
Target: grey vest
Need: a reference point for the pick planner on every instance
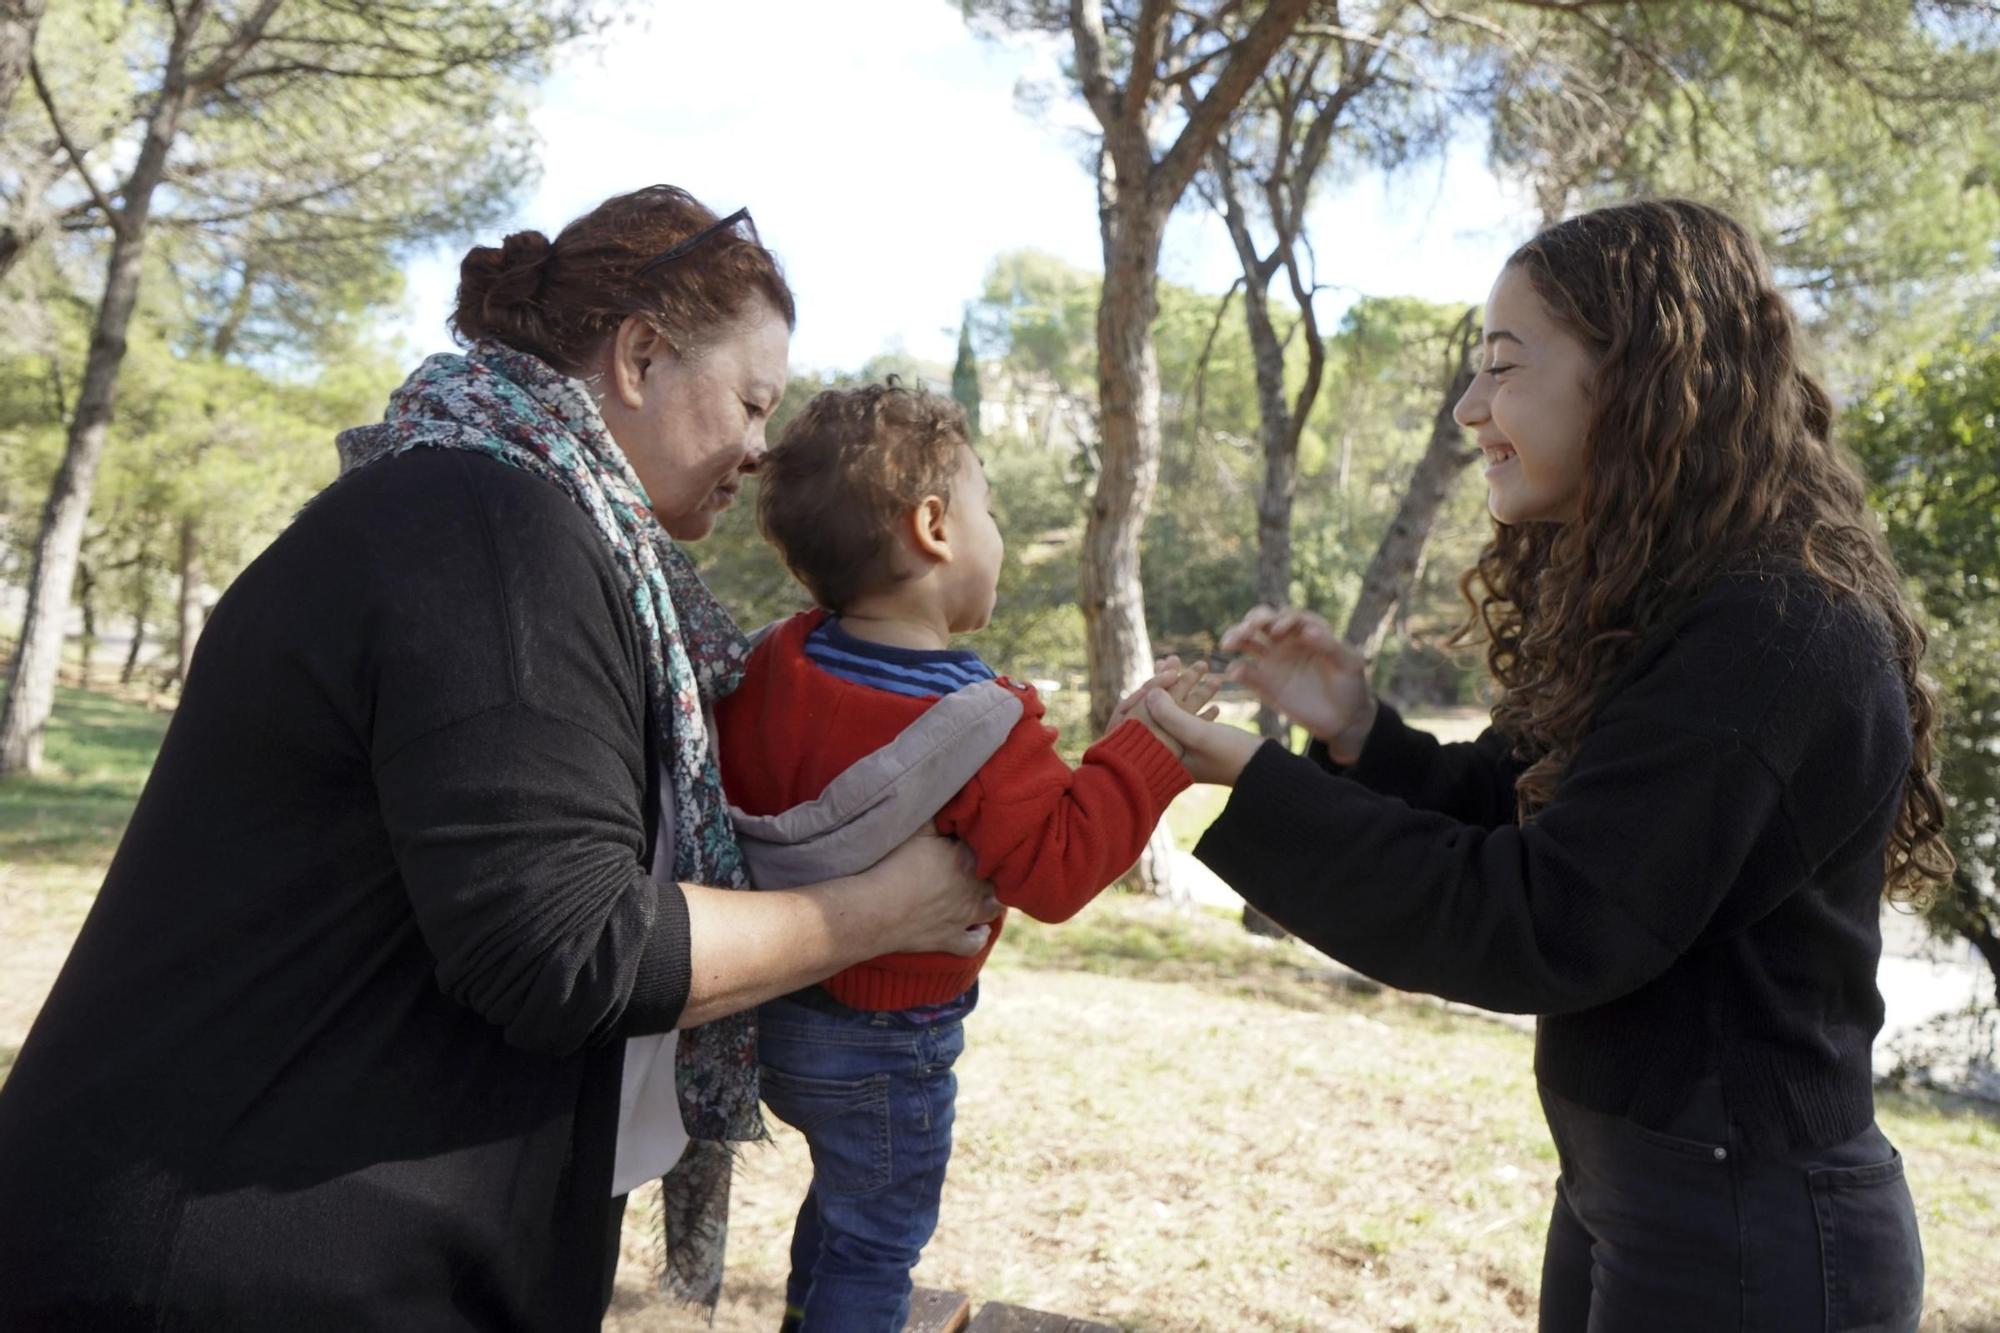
(878, 802)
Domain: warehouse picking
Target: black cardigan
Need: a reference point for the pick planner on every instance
(337, 1047)
(1700, 895)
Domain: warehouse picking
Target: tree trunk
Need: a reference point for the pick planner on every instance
(1393, 566)
(1279, 429)
(191, 617)
(1967, 914)
(138, 641)
(18, 21)
(28, 218)
(1128, 382)
(18, 235)
(1119, 649)
(231, 325)
(1274, 501)
(31, 695)
(1984, 938)
(86, 600)
(1135, 193)
(1279, 422)
(1273, 580)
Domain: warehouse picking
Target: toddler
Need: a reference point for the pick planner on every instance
(858, 723)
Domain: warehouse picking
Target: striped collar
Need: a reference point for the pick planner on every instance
(920, 672)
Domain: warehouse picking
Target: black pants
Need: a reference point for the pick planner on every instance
(1687, 1231)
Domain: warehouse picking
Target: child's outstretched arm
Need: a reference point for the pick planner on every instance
(1051, 837)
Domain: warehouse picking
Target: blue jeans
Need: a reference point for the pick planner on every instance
(874, 1095)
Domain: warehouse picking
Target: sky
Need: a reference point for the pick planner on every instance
(888, 160)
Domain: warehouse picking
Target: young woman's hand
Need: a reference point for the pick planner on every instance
(1209, 750)
(1296, 664)
(933, 903)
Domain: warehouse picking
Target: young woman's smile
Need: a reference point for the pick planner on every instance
(1529, 407)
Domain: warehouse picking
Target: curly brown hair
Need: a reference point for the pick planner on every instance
(845, 472)
(1725, 459)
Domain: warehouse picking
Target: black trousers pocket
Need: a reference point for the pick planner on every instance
(1872, 1259)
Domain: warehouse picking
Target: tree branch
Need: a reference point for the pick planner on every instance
(1303, 293)
(1207, 348)
(1093, 76)
(1147, 36)
(1236, 221)
(1205, 123)
(436, 66)
(1313, 151)
(69, 148)
(214, 74)
(1186, 74)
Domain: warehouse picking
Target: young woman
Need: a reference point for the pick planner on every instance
(1711, 754)
(435, 855)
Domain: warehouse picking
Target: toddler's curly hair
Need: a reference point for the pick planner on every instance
(846, 470)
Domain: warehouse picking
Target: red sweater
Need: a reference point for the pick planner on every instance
(1049, 837)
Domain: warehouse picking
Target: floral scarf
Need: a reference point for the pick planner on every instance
(514, 407)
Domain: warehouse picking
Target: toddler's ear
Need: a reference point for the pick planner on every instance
(926, 530)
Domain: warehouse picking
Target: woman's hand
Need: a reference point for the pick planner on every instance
(745, 948)
(1295, 663)
(1210, 751)
(935, 903)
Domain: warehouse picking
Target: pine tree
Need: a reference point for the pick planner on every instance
(965, 379)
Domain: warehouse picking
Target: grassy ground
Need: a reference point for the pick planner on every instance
(1168, 1125)
(57, 833)
(1164, 1124)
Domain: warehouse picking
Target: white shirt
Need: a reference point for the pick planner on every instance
(651, 1137)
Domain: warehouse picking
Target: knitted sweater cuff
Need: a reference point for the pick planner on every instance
(666, 967)
(1385, 749)
(1132, 746)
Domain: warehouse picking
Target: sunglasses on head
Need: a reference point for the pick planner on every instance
(680, 248)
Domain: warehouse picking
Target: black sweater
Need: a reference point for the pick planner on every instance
(337, 1046)
(1700, 895)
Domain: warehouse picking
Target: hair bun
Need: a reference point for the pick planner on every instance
(525, 249)
(497, 287)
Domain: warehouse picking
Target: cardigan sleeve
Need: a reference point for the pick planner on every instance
(522, 864)
(1468, 780)
(1667, 808)
(1598, 895)
(509, 757)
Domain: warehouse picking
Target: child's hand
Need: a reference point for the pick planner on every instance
(1210, 751)
(1190, 689)
(1166, 671)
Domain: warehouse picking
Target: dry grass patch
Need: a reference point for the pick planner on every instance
(1200, 1132)
(1167, 1125)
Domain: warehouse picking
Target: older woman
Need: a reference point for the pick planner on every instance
(434, 836)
